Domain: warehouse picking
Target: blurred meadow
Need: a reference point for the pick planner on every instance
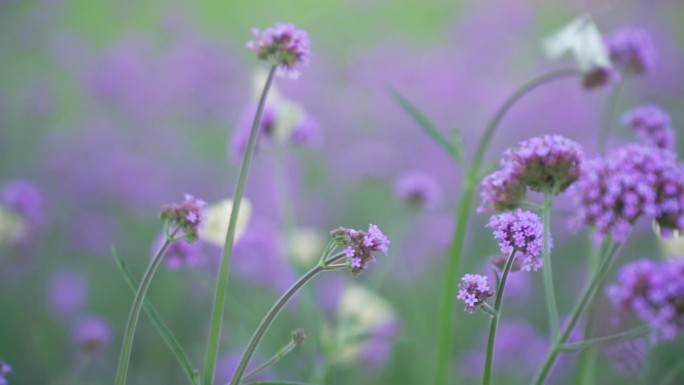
(108, 110)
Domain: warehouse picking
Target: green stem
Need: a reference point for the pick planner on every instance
(585, 297)
(272, 314)
(671, 375)
(285, 350)
(134, 314)
(612, 107)
(222, 283)
(549, 291)
(446, 316)
(623, 336)
(486, 378)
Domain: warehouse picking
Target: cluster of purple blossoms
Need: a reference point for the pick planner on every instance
(652, 126)
(633, 49)
(419, 189)
(187, 216)
(5, 369)
(359, 245)
(628, 183)
(91, 334)
(523, 232)
(474, 291)
(654, 292)
(284, 45)
(548, 163)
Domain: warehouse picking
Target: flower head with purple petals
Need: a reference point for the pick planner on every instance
(359, 245)
(5, 369)
(474, 291)
(187, 216)
(654, 292)
(501, 190)
(652, 125)
(418, 189)
(284, 45)
(633, 49)
(522, 231)
(91, 334)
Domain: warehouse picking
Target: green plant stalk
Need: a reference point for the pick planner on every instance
(583, 300)
(446, 316)
(489, 358)
(273, 313)
(222, 282)
(547, 271)
(285, 350)
(627, 335)
(612, 107)
(134, 314)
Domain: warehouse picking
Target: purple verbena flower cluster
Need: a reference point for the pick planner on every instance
(283, 45)
(522, 231)
(654, 292)
(5, 369)
(548, 163)
(187, 216)
(474, 291)
(633, 49)
(360, 244)
(630, 182)
(652, 125)
(419, 189)
(91, 334)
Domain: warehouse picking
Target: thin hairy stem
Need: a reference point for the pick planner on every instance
(134, 314)
(285, 350)
(547, 271)
(489, 358)
(446, 316)
(222, 282)
(272, 314)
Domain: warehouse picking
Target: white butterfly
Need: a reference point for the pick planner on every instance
(583, 40)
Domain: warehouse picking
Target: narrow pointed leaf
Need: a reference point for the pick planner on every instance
(455, 150)
(163, 330)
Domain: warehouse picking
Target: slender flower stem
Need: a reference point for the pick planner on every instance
(222, 283)
(486, 378)
(446, 316)
(272, 314)
(585, 297)
(549, 291)
(627, 335)
(612, 107)
(134, 314)
(285, 350)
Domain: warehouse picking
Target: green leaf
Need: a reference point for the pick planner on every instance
(455, 149)
(161, 327)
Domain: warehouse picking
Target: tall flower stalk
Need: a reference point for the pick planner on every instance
(547, 271)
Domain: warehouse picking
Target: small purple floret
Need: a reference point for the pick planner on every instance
(283, 45)
(187, 216)
(360, 245)
(419, 189)
(91, 334)
(633, 49)
(474, 290)
(652, 125)
(523, 231)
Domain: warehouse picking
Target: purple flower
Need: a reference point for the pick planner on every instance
(474, 290)
(240, 135)
(523, 231)
(25, 199)
(501, 190)
(5, 369)
(187, 216)
(654, 292)
(629, 357)
(307, 133)
(418, 188)
(283, 45)
(652, 126)
(617, 190)
(670, 201)
(91, 334)
(360, 245)
(67, 292)
(633, 49)
(180, 254)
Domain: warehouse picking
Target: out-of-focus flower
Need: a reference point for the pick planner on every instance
(669, 219)
(283, 45)
(583, 40)
(5, 369)
(419, 189)
(522, 231)
(629, 357)
(217, 220)
(652, 125)
(180, 254)
(360, 245)
(22, 213)
(188, 216)
(306, 245)
(617, 190)
(91, 334)
(227, 363)
(633, 49)
(67, 292)
(501, 190)
(654, 292)
(12, 227)
(474, 291)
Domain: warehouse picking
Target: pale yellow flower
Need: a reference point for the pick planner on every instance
(218, 216)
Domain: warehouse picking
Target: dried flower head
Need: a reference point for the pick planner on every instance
(522, 231)
(187, 216)
(419, 189)
(474, 291)
(298, 336)
(360, 244)
(284, 45)
(91, 334)
(633, 49)
(652, 125)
